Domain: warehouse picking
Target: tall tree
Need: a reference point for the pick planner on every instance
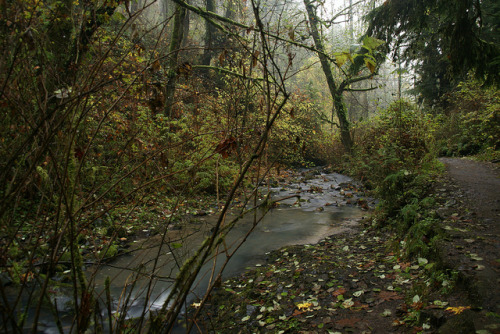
(210, 31)
(336, 90)
(440, 37)
(175, 46)
(351, 74)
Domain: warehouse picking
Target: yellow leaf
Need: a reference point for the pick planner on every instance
(304, 306)
(342, 58)
(372, 43)
(370, 64)
(458, 309)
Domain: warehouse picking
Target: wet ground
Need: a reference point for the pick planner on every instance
(470, 210)
(310, 205)
(352, 282)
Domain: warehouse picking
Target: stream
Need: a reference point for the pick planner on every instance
(326, 206)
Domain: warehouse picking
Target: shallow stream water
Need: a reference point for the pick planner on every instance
(320, 209)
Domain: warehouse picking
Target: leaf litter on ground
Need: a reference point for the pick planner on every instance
(323, 288)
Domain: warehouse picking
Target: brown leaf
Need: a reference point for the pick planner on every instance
(405, 265)
(255, 58)
(222, 57)
(156, 65)
(226, 147)
(339, 292)
(417, 306)
(389, 295)
(348, 322)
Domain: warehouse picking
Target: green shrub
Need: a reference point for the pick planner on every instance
(471, 123)
(395, 155)
(397, 140)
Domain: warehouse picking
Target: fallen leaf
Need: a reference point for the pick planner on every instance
(358, 293)
(339, 292)
(440, 304)
(475, 257)
(405, 265)
(348, 322)
(389, 295)
(417, 306)
(458, 309)
(304, 306)
(348, 303)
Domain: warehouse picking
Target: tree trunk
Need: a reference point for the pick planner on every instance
(335, 90)
(209, 36)
(186, 24)
(175, 44)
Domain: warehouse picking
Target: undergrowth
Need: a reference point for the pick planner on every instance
(396, 157)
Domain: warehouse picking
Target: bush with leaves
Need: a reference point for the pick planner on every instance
(399, 139)
(471, 123)
(296, 137)
(395, 155)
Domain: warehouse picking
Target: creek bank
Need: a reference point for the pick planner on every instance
(355, 282)
(349, 282)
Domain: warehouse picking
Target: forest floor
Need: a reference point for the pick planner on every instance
(355, 282)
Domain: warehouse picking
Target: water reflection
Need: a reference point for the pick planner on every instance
(319, 210)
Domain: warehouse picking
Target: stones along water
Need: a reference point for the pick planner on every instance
(323, 205)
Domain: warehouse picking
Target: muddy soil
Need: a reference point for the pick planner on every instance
(354, 283)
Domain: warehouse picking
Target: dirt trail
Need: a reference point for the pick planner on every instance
(470, 213)
(481, 183)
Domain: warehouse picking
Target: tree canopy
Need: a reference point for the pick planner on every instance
(443, 39)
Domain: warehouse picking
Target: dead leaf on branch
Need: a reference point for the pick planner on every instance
(255, 58)
(226, 147)
(222, 56)
(184, 69)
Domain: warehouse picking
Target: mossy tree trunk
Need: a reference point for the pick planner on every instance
(336, 90)
(175, 45)
(209, 36)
